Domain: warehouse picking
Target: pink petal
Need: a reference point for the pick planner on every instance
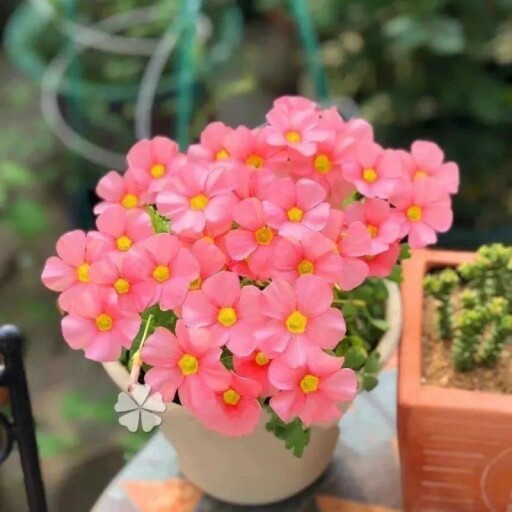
(249, 304)
(287, 404)
(78, 331)
(103, 348)
(173, 293)
(197, 310)
(222, 289)
(327, 329)
(240, 244)
(163, 247)
(309, 194)
(161, 348)
(164, 380)
(185, 265)
(278, 300)
(220, 208)
(71, 247)
(249, 214)
(421, 235)
(448, 177)
(314, 295)
(316, 218)
(57, 275)
(111, 187)
(340, 386)
(428, 155)
(355, 272)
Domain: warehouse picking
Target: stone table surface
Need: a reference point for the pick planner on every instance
(364, 475)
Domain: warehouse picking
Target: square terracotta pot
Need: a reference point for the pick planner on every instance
(455, 445)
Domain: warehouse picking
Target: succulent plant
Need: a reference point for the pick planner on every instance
(480, 326)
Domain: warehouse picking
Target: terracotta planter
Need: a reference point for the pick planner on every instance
(455, 445)
(255, 469)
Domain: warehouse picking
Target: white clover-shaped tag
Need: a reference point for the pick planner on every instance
(139, 408)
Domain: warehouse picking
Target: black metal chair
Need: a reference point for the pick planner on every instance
(18, 426)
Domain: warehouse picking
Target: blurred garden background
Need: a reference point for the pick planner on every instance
(81, 80)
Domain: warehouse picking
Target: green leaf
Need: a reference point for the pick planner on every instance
(13, 174)
(372, 364)
(396, 275)
(446, 35)
(52, 445)
(27, 217)
(355, 357)
(369, 382)
(405, 252)
(294, 434)
(379, 323)
(160, 224)
(77, 407)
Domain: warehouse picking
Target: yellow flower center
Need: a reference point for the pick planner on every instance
(209, 239)
(264, 235)
(104, 322)
(227, 317)
(420, 174)
(255, 161)
(261, 359)
(188, 364)
(305, 267)
(296, 323)
(322, 164)
(195, 284)
(293, 137)
(373, 230)
(295, 214)
(309, 383)
(123, 243)
(82, 273)
(221, 155)
(161, 273)
(157, 171)
(198, 202)
(122, 286)
(231, 397)
(370, 175)
(414, 213)
(129, 201)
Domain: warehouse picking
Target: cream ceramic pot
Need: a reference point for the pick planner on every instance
(255, 469)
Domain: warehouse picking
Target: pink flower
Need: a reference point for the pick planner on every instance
(325, 167)
(188, 363)
(254, 239)
(152, 161)
(123, 190)
(375, 172)
(169, 269)
(296, 208)
(381, 265)
(383, 225)
(97, 325)
(255, 367)
(249, 147)
(197, 196)
(229, 312)
(69, 272)
(424, 210)
(292, 104)
(313, 391)
(352, 241)
(122, 276)
(212, 147)
(210, 258)
(426, 162)
(294, 129)
(236, 411)
(122, 229)
(315, 255)
(298, 317)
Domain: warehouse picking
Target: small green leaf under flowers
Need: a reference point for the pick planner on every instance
(295, 435)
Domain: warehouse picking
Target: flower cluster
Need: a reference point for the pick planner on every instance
(245, 241)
